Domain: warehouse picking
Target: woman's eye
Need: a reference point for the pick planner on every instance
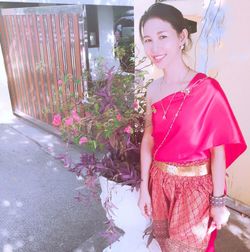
(163, 36)
(147, 40)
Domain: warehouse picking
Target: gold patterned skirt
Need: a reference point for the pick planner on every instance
(180, 205)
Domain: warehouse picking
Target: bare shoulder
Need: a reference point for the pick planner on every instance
(152, 89)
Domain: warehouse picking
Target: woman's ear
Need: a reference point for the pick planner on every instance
(183, 36)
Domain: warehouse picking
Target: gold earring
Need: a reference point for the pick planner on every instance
(182, 47)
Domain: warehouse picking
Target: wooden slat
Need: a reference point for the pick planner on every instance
(29, 86)
(36, 98)
(46, 64)
(53, 60)
(31, 89)
(40, 68)
(23, 76)
(18, 83)
(60, 56)
(68, 51)
(13, 62)
(77, 53)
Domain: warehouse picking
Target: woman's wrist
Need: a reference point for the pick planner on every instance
(218, 194)
(144, 185)
(217, 201)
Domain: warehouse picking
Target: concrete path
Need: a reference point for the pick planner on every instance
(38, 212)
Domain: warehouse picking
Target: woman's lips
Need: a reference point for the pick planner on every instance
(158, 58)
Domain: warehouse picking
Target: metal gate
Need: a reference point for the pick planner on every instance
(45, 56)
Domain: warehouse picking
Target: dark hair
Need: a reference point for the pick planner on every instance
(167, 13)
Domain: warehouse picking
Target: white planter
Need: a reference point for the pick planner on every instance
(127, 217)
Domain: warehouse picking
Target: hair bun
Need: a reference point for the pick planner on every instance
(191, 25)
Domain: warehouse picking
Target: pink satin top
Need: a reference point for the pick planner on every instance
(205, 120)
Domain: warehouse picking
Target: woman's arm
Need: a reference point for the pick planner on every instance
(144, 202)
(146, 159)
(220, 214)
(147, 143)
(218, 166)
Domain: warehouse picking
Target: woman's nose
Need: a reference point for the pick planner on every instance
(155, 48)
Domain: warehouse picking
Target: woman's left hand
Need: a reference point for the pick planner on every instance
(220, 216)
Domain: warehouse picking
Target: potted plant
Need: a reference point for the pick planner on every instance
(108, 124)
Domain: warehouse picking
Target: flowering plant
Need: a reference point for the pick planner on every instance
(108, 124)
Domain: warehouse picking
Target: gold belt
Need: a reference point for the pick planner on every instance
(192, 169)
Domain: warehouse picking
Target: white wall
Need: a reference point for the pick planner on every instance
(5, 105)
(96, 2)
(106, 39)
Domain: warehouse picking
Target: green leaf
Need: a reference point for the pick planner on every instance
(116, 123)
(76, 140)
(65, 78)
(96, 106)
(77, 82)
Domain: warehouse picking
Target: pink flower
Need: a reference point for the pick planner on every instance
(75, 116)
(128, 130)
(83, 140)
(57, 120)
(136, 104)
(69, 121)
(119, 117)
(59, 82)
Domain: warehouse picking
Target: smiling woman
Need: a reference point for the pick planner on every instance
(162, 45)
(185, 148)
(174, 19)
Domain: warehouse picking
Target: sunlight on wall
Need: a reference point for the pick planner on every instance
(5, 105)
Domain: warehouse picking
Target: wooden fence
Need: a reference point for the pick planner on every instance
(44, 54)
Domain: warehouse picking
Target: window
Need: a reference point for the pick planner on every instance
(92, 26)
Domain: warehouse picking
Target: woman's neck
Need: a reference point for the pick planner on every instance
(176, 73)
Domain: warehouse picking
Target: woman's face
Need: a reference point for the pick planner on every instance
(161, 42)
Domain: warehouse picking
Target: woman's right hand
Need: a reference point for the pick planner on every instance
(144, 203)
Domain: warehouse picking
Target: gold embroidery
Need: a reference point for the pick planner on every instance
(193, 169)
(188, 163)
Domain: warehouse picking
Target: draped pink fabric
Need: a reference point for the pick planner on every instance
(205, 120)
